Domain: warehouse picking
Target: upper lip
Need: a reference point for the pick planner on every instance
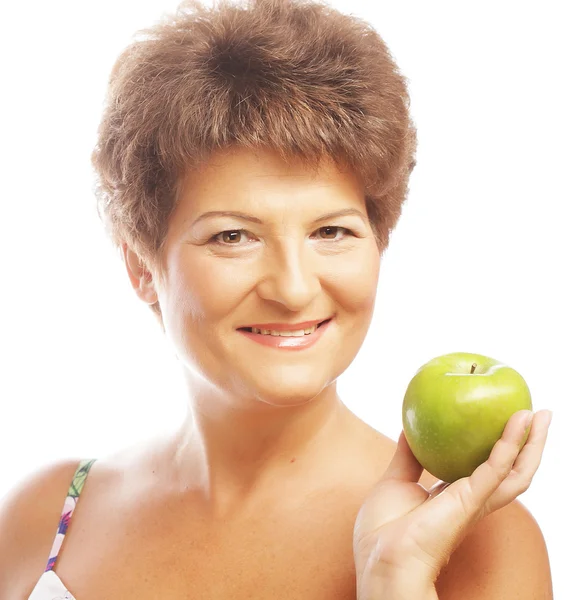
(285, 326)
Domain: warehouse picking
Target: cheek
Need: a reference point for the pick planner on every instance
(354, 282)
(202, 289)
(196, 298)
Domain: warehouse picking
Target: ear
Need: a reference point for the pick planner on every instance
(140, 276)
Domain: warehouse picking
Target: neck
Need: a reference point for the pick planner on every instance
(234, 456)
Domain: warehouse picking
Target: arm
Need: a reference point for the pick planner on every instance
(504, 556)
(29, 515)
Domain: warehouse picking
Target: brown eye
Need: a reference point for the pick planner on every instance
(231, 237)
(331, 232)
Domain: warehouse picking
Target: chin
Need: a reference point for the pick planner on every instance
(287, 397)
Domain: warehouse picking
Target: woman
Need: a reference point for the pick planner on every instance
(292, 120)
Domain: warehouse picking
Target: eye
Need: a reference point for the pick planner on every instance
(231, 234)
(232, 237)
(334, 228)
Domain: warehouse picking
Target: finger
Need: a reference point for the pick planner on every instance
(392, 497)
(389, 500)
(525, 466)
(466, 497)
(530, 456)
(489, 475)
(462, 502)
(403, 466)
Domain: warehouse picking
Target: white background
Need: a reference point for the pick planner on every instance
(481, 261)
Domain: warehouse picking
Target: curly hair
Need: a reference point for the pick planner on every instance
(293, 76)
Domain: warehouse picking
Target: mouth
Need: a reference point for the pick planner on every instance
(306, 331)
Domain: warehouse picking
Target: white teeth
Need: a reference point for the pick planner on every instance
(299, 333)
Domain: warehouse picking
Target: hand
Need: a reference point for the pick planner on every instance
(404, 532)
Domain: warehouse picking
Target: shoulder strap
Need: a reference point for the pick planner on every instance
(74, 492)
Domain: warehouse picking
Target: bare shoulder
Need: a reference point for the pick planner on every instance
(30, 513)
(29, 516)
(503, 556)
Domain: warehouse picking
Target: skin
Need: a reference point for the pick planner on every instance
(256, 494)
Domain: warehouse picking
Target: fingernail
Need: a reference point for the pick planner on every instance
(550, 415)
(527, 420)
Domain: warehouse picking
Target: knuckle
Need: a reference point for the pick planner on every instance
(499, 470)
(524, 485)
(466, 499)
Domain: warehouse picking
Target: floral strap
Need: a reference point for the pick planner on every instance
(74, 492)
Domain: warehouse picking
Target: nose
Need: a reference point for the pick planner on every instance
(290, 277)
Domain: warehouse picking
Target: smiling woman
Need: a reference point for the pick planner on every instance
(294, 118)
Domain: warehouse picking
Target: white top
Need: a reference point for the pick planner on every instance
(50, 587)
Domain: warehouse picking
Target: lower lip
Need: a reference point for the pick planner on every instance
(288, 343)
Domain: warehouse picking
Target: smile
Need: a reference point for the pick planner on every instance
(288, 340)
(295, 333)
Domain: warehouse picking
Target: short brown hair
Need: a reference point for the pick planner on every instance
(294, 76)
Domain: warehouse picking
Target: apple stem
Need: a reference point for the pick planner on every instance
(473, 368)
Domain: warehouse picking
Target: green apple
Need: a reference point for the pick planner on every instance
(455, 410)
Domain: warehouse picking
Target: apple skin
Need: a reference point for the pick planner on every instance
(452, 418)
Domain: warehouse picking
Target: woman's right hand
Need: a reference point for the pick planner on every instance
(405, 534)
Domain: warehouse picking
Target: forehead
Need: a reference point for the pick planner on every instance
(262, 179)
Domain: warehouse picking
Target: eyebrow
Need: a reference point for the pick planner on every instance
(252, 219)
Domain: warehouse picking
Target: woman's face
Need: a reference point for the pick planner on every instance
(287, 264)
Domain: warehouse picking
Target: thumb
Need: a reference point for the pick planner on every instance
(403, 466)
(394, 495)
